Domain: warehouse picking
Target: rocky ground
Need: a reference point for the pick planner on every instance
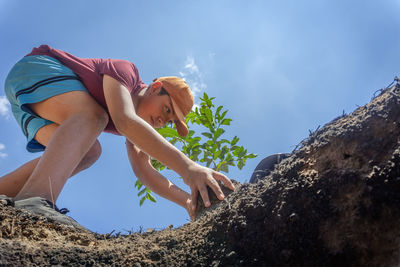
(333, 202)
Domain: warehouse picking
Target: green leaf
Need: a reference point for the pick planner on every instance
(218, 133)
(224, 150)
(210, 143)
(242, 152)
(217, 115)
(151, 198)
(194, 146)
(209, 103)
(216, 154)
(190, 117)
(225, 141)
(142, 192)
(208, 162)
(251, 156)
(237, 151)
(168, 132)
(234, 141)
(138, 184)
(223, 114)
(207, 135)
(142, 200)
(224, 168)
(226, 122)
(240, 164)
(208, 114)
(195, 140)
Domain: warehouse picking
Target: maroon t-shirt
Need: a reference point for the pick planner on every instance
(91, 71)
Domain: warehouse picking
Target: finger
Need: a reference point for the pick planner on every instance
(192, 215)
(189, 208)
(227, 182)
(204, 196)
(193, 196)
(216, 188)
(190, 211)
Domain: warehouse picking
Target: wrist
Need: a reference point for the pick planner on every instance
(186, 167)
(182, 198)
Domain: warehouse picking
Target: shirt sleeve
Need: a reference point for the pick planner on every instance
(123, 71)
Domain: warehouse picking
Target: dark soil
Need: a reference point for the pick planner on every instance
(334, 202)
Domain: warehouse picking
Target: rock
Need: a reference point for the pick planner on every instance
(150, 231)
(6, 201)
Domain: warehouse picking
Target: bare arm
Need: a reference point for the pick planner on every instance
(140, 133)
(152, 179)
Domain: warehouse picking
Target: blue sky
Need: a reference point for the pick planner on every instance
(282, 68)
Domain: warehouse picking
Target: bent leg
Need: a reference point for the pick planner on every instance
(43, 137)
(12, 183)
(81, 119)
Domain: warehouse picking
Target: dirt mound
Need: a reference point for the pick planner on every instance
(334, 201)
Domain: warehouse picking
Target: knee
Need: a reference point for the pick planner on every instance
(94, 153)
(93, 116)
(100, 117)
(91, 156)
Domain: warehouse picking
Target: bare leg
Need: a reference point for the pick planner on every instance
(81, 120)
(12, 183)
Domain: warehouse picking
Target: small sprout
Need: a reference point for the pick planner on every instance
(209, 147)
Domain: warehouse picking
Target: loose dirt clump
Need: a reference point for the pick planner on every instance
(334, 202)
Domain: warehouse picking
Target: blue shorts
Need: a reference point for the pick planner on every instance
(34, 79)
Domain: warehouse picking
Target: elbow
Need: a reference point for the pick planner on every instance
(140, 175)
(123, 123)
(120, 125)
(130, 125)
(142, 178)
(141, 172)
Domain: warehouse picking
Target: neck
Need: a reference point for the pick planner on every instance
(138, 98)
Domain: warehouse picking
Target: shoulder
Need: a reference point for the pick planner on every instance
(123, 71)
(120, 65)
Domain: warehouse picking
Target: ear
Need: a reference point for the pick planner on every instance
(155, 87)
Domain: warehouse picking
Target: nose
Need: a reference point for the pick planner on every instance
(160, 122)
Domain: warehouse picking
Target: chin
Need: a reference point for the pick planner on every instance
(149, 122)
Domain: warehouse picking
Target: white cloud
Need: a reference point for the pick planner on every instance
(195, 106)
(191, 65)
(4, 107)
(2, 154)
(193, 76)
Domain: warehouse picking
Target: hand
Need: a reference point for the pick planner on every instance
(199, 177)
